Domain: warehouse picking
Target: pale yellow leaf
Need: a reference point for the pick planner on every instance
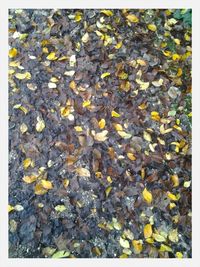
(83, 172)
(107, 12)
(124, 134)
(30, 179)
(124, 243)
(132, 18)
(152, 27)
(115, 114)
(137, 244)
(131, 156)
(105, 74)
(102, 123)
(101, 137)
(40, 125)
(60, 208)
(147, 196)
(147, 136)
(46, 184)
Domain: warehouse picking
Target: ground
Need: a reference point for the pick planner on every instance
(100, 133)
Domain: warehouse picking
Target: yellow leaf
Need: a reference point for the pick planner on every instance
(23, 128)
(65, 183)
(124, 134)
(102, 123)
(155, 116)
(161, 141)
(12, 52)
(137, 244)
(86, 103)
(179, 72)
(159, 238)
(147, 136)
(123, 75)
(141, 62)
(115, 114)
(124, 243)
(22, 76)
(27, 162)
(131, 156)
(152, 27)
(187, 184)
(85, 38)
(147, 196)
(29, 179)
(118, 45)
(158, 83)
(173, 236)
(142, 173)
(118, 127)
(40, 125)
(78, 16)
(78, 128)
(163, 131)
(167, 53)
(105, 74)
(179, 255)
(72, 85)
(176, 57)
(172, 196)
(108, 190)
(39, 189)
(83, 172)
(52, 56)
(142, 106)
(60, 208)
(175, 180)
(64, 111)
(132, 18)
(46, 184)
(10, 208)
(107, 12)
(143, 85)
(165, 248)
(101, 137)
(177, 41)
(148, 230)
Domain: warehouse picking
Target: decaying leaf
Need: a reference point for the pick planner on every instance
(39, 189)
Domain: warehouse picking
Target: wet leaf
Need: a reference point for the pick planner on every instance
(148, 231)
(147, 196)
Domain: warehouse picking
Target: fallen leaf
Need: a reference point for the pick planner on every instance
(40, 125)
(107, 12)
(86, 103)
(124, 134)
(23, 128)
(66, 183)
(83, 172)
(30, 179)
(159, 238)
(46, 184)
(52, 56)
(72, 61)
(27, 163)
(124, 243)
(148, 230)
(61, 254)
(101, 137)
(175, 180)
(132, 18)
(137, 244)
(60, 208)
(147, 196)
(187, 184)
(158, 83)
(165, 248)
(78, 128)
(172, 196)
(102, 124)
(118, 127)
(108, 190)
(131, 156)
(155, 116)
(147, 136)
(22, 76)
(52, 85)
(39, 190)
(85, 38)
(105, 74)
(10, 208)
(115, 114)
(12, 52)
(173, 235)
(152, 27)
